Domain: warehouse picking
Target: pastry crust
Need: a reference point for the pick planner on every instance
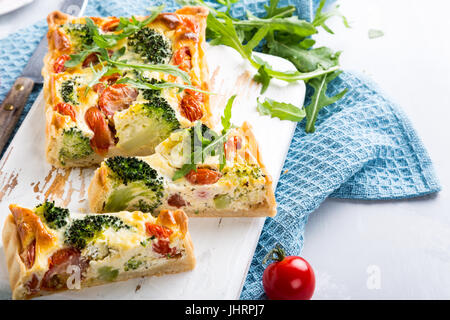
(58, 46)
(100, 186)
(19, 274)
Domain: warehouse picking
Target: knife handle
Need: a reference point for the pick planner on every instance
(12, 107)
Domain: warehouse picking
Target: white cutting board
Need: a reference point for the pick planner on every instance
(224, 247)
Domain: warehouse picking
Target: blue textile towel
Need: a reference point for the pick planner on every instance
(364, 146)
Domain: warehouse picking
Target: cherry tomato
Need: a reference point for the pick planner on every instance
(157, 231)
(288, 278)
(111, 25)
(56, 276)
(162, 247)
(102, 138)
(117, 97)
(60, 41)
(66, 110)
(203, 176)
(58, 66)
(191, 108)
(182, 59)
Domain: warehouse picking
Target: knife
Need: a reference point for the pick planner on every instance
(16, 99)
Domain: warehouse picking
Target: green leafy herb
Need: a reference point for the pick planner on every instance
(320, 99)
(205, 142)
(281, 110)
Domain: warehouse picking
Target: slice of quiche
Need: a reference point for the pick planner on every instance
(240, 186)
(119, 86)
(49, 249)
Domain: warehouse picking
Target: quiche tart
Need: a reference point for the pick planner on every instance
(119, 86)
(239, 187)
(49, 249)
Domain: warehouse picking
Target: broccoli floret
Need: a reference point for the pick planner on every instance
(75, 145)
(151, 45)
(79, 34)
(132, 264)
(68, 92)
(55, 217)
(84, 230)
(137, 185)
(150, 93)
(158, 108)
(145, 124)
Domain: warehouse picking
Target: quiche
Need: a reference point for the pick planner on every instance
(119, 86)
(49, 249)
(240, 186)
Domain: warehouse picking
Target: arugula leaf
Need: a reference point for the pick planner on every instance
(281, 110)
(159, 86)
(226, 118)
(273, 11)
(184, 170)
(320, 99)
(320, 18)
(164, 68)
(303, 59)
(208, 143)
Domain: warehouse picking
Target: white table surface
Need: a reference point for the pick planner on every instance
(382, 249)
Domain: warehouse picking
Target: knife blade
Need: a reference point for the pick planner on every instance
(16, 99)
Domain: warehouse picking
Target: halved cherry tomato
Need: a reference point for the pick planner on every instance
(58, 66)
(111, 25)
(92, 59)
(111, 79)
(32, 285)
(60, 41)
(56, 276)
(203, 176)
(66, 110)
(288, 278)
(162, 247)
(199, 96)
(191, 108)
(117, 98)
(102, 138)
(182, 59)
(190, 24)
(157, 231)
(29, 254)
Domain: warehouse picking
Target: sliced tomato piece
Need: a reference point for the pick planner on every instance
(162, 247)
(60, 41)
(29, 254)
(182, 59)
(111, 79)
(191, 108)
(203, 176)
(66, 110)
(56, 276)
(58, 66)
(103, 138)
(32, 285)
(190, 24)
(117, 97)
(111, 25)
(158, 231)
(92, 59)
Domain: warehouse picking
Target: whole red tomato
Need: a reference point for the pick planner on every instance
(288, 278)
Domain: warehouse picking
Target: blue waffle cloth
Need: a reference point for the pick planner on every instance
(364, 146)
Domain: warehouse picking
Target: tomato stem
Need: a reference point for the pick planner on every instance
(277, 254)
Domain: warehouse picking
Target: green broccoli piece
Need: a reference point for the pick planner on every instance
(55, 217)
(75, 145)
(80, 35)
(132, 264)
(68, 92)
(151, 45)
(147, 125)
(84, 230)
(137, 185)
